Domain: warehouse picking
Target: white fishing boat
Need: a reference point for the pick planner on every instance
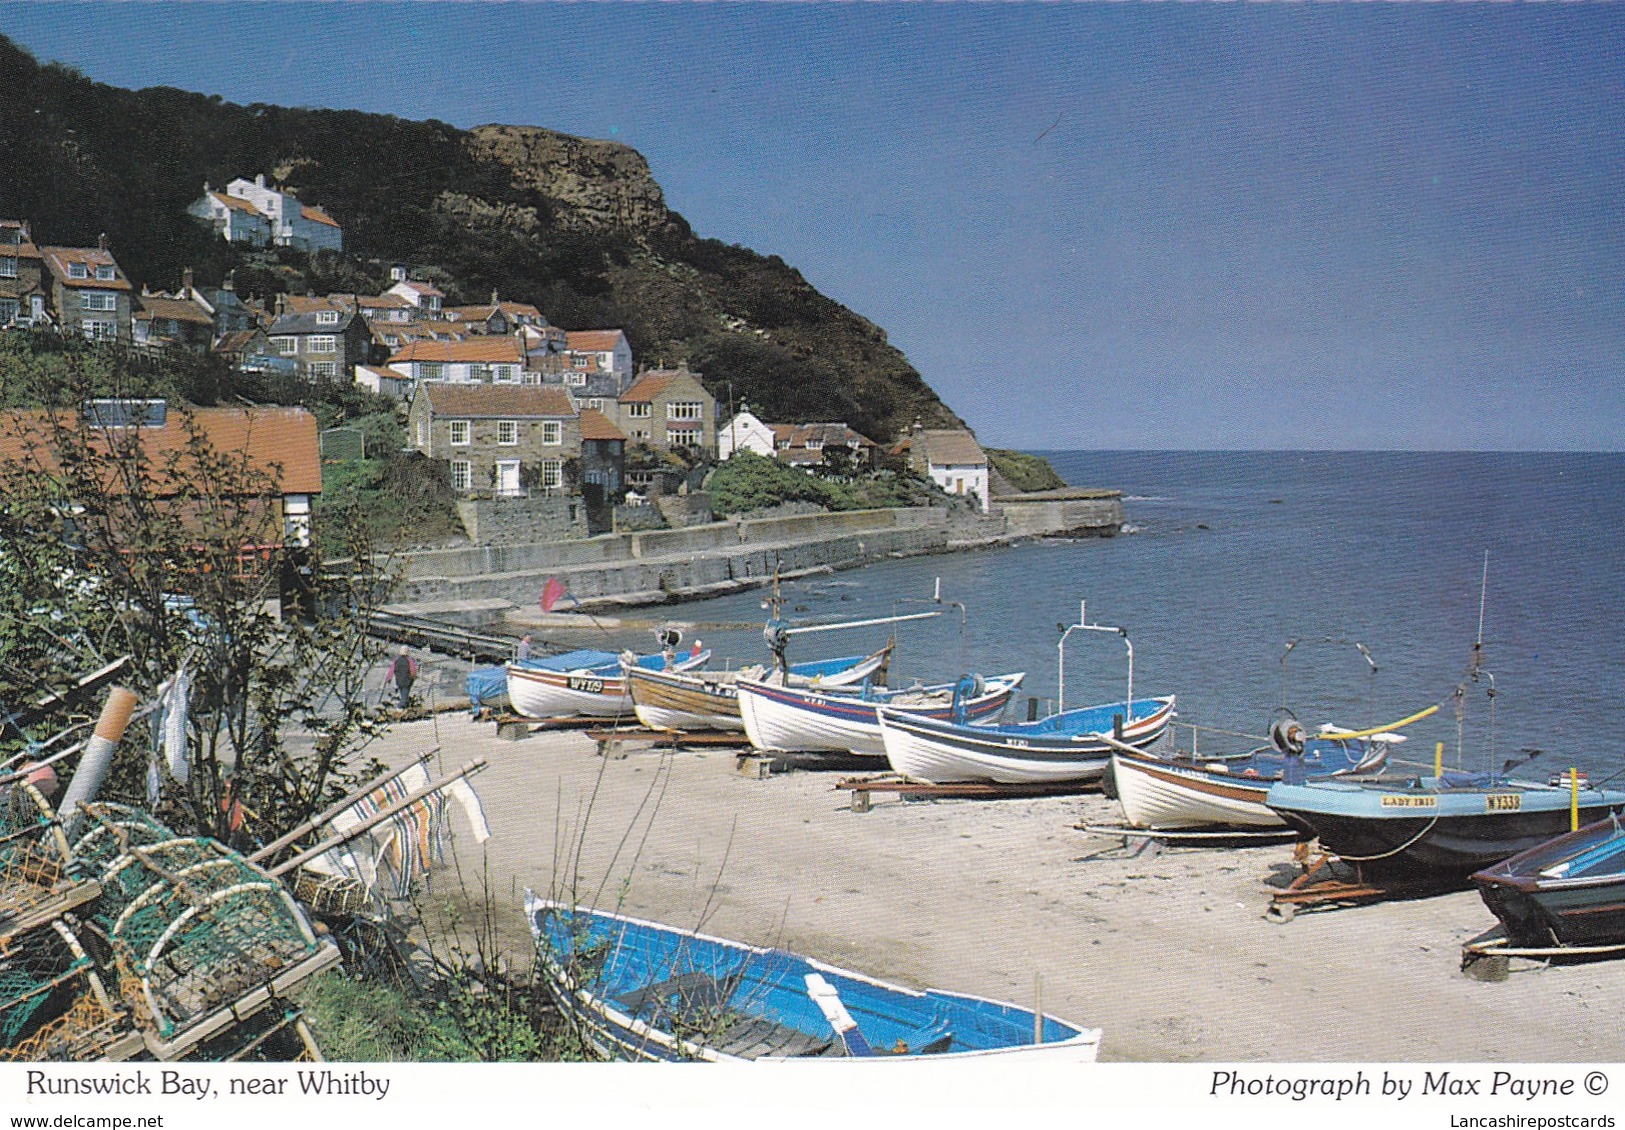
(805, 719)
(584, 683)
(709, 700)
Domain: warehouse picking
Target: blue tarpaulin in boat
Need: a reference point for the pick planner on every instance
(486, 686)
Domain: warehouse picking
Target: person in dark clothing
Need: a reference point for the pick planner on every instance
(403, 671)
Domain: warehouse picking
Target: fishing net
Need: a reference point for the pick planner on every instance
(53, 1005)
(113, 830)
(195, 929)
(36, 873)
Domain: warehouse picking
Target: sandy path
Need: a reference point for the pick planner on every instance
(1171, 955)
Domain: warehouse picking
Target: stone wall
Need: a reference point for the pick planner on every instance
(523, 521)
(640, 516)
(682, 510)
(1063, 513)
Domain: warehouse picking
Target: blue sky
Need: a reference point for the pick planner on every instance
(1088, 226)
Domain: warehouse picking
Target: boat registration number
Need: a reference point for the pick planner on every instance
(1410, 802)
(590, 686)
(1503, 802)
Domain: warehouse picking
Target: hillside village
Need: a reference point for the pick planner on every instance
(564, 423)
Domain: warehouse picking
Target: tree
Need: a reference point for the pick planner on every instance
(173, 557)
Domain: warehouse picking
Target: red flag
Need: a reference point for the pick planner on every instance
(552, 593)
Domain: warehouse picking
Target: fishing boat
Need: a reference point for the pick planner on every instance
(640, 990)
(1569, 891)
(709, 700)
(1065, 747)
(1440, 827)
(811, 719)
(1188, 792)
(585, 682)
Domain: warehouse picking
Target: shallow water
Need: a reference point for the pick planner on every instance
(1232, 555)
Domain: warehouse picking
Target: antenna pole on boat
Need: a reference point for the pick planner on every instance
(1084, 625)
(1483, 589)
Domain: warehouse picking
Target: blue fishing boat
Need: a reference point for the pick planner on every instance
(1440, 827)
(1569, 891)
(643, 991)
(1064, 747)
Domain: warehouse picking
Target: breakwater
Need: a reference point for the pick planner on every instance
(661, 566)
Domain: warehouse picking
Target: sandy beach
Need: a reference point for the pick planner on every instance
(1170, 953)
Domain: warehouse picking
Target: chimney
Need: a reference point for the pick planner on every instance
(230, 283)
(281, 303)
(101, 242)
(259, 180)
(186, 281)
(493, 296)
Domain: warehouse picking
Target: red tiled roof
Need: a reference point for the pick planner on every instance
(592, 341)
(506, 401)
(238, 204)
(478, 349)
(265, 437)
(649, 386)
(596, 425)
(24, 247)
(311, 212)
(180, 309)
(58, 258)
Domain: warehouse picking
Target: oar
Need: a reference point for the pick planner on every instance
(823, 994)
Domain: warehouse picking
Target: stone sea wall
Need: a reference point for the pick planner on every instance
(655, 566)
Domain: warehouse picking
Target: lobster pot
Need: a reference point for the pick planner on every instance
(53, 1006)
(37, 877)
(202, 938)
(334, 896)
(112, 830)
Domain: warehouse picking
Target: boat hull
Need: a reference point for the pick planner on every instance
(942, 752)
(1569, 891)
(677, 700)
(802, 720)
(640, 990)
(1162, 794)
(598, 692)
(1422, 832)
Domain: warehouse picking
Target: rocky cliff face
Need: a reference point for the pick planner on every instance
(595, 185)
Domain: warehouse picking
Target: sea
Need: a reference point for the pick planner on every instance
(1352, 589)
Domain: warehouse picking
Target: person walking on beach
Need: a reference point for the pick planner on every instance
(522, 652)
(404, 671)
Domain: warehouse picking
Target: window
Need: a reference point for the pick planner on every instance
(77, 271)
(104, 272)
(596, 404)
(683, 410)
(100, 331)
(507, 432)
(8, 311)
(462, 474)
(685, 436)
(95, 300)
(324, 368)
(323, 343)
(577, 379)
(552, 473)
(431, 371)
(285, 346)
(552, 432)
(638, 411)
(8, 267)
(479, 372)
(505, 374)
(459, 432)
(327, 317)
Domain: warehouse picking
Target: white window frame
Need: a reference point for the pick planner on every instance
(8, 266)
(327, 317)
(322, 343)
(455, 428)
(578, 380)
(105, 272)
(99, 331)
(78, 271)
(507, 433)
(552, 474)
(552, 433)
(431, 370)
(98, 300)
(639, 410)
(685, 410)
(462, 474)
(596, 403)
(285, 346)
(324, 368)
(505, 374)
